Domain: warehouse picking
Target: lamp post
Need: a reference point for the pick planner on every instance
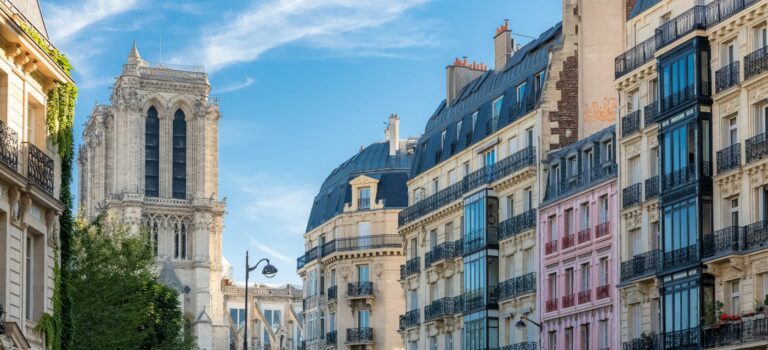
(521, 325)
(269, 271)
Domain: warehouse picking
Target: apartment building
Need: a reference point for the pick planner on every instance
(578, 245)
(352, 298)
(470, 228)
(30, 175)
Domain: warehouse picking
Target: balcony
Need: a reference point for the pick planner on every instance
(411, 267)
(569, 241)
(675, 28)
(481, 297)
(756, 63)
(410, 319)
(652, 188)
(684, 339)
(723, 242)
(359, 290)
(757, 147)
(350, 244)
(681, 96)
(364, 203)
(359, 335)
(550, 247)
(517, 286)
(650, 113)
(332, 293)
(442, 252)
(569, 300)
(443, 307)
(680, 176)
(580, 181)
(632, 195)
(641, 265)
(602, 230)
(731, 334)
(646, 342)
(330, 339)
(720, 10)
(635, 57)
(681, 257)
(529, 345)
(584, 235)
(585, 296)
(507, 166)
(727, 77)
(756, 235)
(40, 169)
(603, 291)
(517, 224)
(551, 305)
(9, 147)
(630, 123)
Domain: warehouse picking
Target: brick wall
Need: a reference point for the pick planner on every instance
(567, 114)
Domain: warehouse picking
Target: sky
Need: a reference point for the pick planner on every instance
(303, 84)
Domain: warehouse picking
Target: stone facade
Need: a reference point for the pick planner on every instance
(150, 159)
(30, 179)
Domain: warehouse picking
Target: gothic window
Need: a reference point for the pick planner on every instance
(154, 238)
(176, 234)
(183, 242)
(151, 154)
(179, 155)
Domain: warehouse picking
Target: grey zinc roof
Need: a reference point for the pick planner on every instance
(30, 9)
(478, 95)
(373, 161)
(641, 6)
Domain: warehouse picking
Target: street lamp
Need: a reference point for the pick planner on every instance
(522, 325)
(268, 271)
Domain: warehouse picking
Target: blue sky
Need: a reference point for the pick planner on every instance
(302, 83)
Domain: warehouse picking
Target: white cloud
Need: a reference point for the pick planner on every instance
(278, 22)
(275, 254)
(277, 205)
(64, 21)
(235, 86)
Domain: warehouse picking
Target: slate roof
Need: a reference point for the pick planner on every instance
(608, 132)
(30, 9)
(373, 161)
(641, 6)
(525, 63)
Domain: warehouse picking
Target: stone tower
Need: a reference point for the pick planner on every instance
(150, 159)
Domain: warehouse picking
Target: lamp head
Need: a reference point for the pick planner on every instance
(520, 324)
(269, 271)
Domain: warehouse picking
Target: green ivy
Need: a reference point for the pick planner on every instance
(57, 56)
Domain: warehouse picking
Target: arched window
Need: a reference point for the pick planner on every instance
(154, 238)
(183, 241)
(179, 155)
(152, 154)
(176, 241)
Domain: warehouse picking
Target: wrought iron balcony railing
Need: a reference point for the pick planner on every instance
(602, 229)
(723, 242)
(445, 250)
(569, 300)
(551, 305)
(683, 256)
(675, 28)
(756, 63)
(641, 265)
(360, 335)
(411, 267)
(40, 169)
(410, 319)
(681, 96)
(683, 339)
(447, 306)
(517, 224)
(603, 291)
(359, 289)
(720, 10)
(630, 123)
(650, 113)
(679, 177)
(550, 247)
(330, 338)
(9, 147)
(632, 195)
(756, 147)
(729, 334)
(530, 345)
(635, 57)
(350, 244)
(569, 241)
(646, 342)
(517, 286)
(584, 235)
(585, 296)
(756, 235)
(652, 188)
(333, 293)
(727, 77)
(509, 165)
(481, 297)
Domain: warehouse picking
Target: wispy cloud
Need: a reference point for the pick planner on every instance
(64, 21)
(235, 86)
(274, 253)
(280, 205)
(326, 23)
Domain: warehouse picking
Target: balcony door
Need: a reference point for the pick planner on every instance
(363, 318)
(362, 273)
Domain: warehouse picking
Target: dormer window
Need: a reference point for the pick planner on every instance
(520, 92)
(364, 198)
(589, 158)
(607, 151)
(442, 139)
(497, 111)
(474, 121)
(572, 167)
(458, 129)
(554, 178)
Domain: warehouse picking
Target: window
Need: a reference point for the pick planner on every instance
(451, 176)
(552, 222)
(552, 337)
(512, 145)
(729, 53)
(584, 211)
(474, 121)
(634, 170)
(528, 264)
(29, 288)
(332, 321)
(497, 103)
(679, 222)
(569, 281)
(272, 318)
(414, 248)
(568, 225)
(585, 336)
(602, 270)
(510, 206)
(179, 155)
(449, 340)
(520, 93)
(413, 299)
(180, 241)
(634, 321)
(554, 177)
(527, 199)
(363, 228)
(633, 101)
(734, 211)
(607, 151)
(552, 281)
(589, 159)
(529, 137)
(449, 232)
(653, 161)
(602, 334)
(467, 168)
(733, 131)
(458, 129)
(572, 167)
(653, 90)
(364, 198)
(734, 296)
(152, 154)
(569, 338)
(237, 316)
(363, 318)
(154, 237)
(432, 239)
(635, 242)
(678, 75)
(602, 213)
(760, 37)
(538, 82)
(435, 185)
(432, 343)
(490, 158)
(584, 277)
(362, 273)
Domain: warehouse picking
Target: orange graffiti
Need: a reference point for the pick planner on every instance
(601, 112)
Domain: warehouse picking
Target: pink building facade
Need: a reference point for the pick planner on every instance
(578, 242)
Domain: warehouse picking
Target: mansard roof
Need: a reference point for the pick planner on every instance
(373, 161)
(478, 95)
(31, 11)
(641, 6)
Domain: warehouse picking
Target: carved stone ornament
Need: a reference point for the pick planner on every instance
(758, 94)
(377, 269)
(633, 149)
(729, 107)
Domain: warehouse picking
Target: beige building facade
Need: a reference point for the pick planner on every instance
(150, 159)
(30, 177)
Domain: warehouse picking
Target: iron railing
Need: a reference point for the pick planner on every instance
(650, 113)
(529, 345)
(756, 235)
(445, 250)
(602, 229)
(723, 242)
(646, 342)
(727, 77)
(359, 289)
(652, 188)
(675, 28)
(720, 10)
(635, 57)
(569, 241)
(481, 297)
(9, 147)
(585, 296)
(40, 169)
(447, 306)
(641, 265)
(350, 244)
(551, 305)
(569, 300)
(410, 319)
(682, 256)
(756, 147)
(517, 286)
(364, 203)
(359, 335)
(602, 292)
(550, 247)
(330, 338)
(517, 224)
(743, 331)
(584, 235)
(679, 97)
(580, 181)
(756, 62)
(333, 293)
(632, 195)
(630, 123)
(685, 339)
(680, 176)
(411, 267)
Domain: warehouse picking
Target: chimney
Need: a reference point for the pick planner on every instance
(502, 46)
(459, 74)
(393, 134)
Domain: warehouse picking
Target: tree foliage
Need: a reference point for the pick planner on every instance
(116, 299)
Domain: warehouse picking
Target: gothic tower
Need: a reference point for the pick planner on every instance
(151, 160)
